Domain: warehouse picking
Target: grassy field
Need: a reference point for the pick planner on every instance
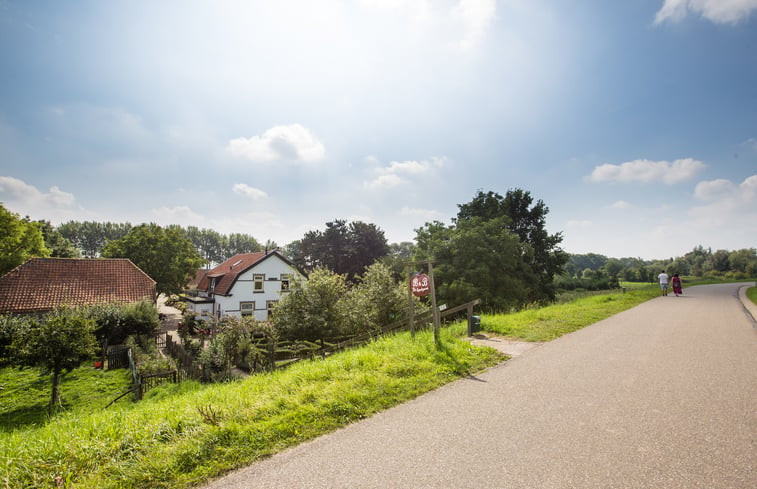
(25, 393)
(182, 435)
(550, 322)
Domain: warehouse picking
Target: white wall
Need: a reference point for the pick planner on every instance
(242, 291)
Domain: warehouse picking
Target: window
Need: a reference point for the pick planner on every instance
(285, 282)
(246, 308)
(258, 279)
(270, 306)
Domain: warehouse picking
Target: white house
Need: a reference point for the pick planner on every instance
(248, 284)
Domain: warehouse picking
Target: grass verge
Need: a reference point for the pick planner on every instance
(180, 439)
(751, 292)
(550, 322)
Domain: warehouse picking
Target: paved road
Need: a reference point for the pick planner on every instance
(660, 396)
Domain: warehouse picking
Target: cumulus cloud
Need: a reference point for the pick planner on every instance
(17, 193)
(718, 11)
(400, 172)
(646, 171)
(724, 191)
(249, 192)
(280, 143)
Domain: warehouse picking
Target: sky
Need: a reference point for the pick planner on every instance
(635, 122)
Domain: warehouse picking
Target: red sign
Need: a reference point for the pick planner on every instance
(420, 284)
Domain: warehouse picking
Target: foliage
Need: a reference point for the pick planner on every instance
(478, 258)
(20, 239)
(376, 301)
(343, 249)
(115, 322)
(59, 246)
(91, 237)
(59, 342)
(241, 342)
(313, 310)
(164, 254)
(10, 326)
(396, 260)
(164, 441)
(527, 220)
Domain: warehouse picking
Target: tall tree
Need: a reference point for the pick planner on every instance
(527, 220)
(342, 248)
(164, 254)
(59, 246)
(91, 236)
(478, 259)
(237, 243)
(61, 341)
(20, 239)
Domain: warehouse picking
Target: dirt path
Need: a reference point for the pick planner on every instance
(660, 396)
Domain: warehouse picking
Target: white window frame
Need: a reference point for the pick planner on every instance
(258, 283)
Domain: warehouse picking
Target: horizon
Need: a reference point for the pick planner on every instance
(635, 124)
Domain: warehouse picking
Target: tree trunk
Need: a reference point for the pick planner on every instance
(55, 398)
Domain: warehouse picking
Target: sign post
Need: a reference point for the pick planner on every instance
(421, 285)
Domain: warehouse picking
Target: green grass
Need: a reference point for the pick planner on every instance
(550, 322)
(25, 393)
(751, 292)
(185, 435)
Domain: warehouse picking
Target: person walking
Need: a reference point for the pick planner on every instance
(676, 282)
(663, 278)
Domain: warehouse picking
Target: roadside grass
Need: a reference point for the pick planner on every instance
(25, 393)
(183, 436)
(751, 292)
(550, 322)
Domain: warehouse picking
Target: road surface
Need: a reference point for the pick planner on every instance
(660, 396)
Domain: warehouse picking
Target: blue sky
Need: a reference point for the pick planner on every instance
(635, 122)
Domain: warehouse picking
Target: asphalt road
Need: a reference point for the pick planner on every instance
(661, 396)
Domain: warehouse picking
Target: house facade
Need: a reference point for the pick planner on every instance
(43, 284)
(248, 284)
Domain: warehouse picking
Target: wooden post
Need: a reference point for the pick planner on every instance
(433, 303)
(411, 301)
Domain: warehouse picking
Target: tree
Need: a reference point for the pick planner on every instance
(164, 254)
(342, 248)
(91, 237)
(59, 246)
(399, 255)
(240, 243)
(479, 258)
(20, 239)
(377, 300)
(60, 342)
(527, 220)
(313, 310)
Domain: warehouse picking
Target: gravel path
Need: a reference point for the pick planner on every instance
(661, 396)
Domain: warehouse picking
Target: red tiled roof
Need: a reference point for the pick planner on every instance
(226, 273)
(42, 284)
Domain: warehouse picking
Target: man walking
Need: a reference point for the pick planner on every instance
(663, 278)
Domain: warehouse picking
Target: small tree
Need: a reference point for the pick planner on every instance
(377, 300)
(60, 342)
(313, 310)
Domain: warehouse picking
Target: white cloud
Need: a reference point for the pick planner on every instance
(475, 17)
(646, 171)
(280, 143)
(384, 182)
(181, 214)
(718, 11)
(399, 172)
(621, 204)
(424, 213)
(18, 194)
(249, 192)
